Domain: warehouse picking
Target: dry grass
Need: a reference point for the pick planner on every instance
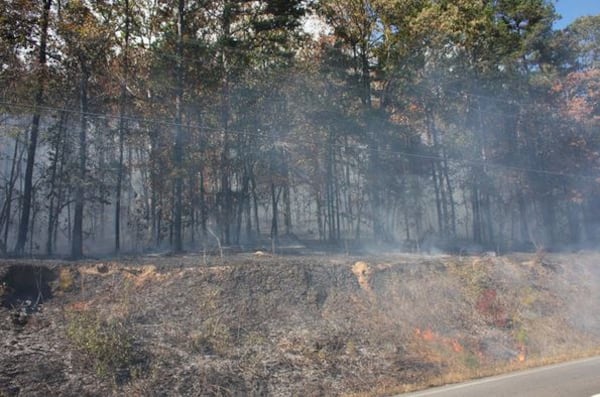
(459, 375)
(344, 326)
(107, 345)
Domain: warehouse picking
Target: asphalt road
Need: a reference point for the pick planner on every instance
(575, 379)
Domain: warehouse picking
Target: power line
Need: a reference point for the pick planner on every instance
(390, 152)
(471, 162)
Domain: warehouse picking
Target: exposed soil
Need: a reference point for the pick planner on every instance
(262, 325)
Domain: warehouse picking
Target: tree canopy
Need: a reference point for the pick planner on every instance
(135, 125)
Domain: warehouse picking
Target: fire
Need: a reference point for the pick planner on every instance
(427, 335)
(522, 356)
(430, 336)
(456, 346)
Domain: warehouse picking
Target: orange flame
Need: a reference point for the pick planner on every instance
(428, 335)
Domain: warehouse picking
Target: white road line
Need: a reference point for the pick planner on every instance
(496, 378)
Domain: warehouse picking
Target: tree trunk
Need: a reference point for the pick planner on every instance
(320, 225)
(548, 207)
(329, 197)
(122, 129)
(77, 237)
(35, 126)
(203, 209)
(178, 148)
(476, 212)
(255, 202)
(274, 223)
(53, 206)
(336, 202)
(248, 212)
(34, 210)
(243, 197)
(450, 193)
(348, 189)
(6, 208)
(62, 192)
(438, 200)
(287, 201)
(489, 224)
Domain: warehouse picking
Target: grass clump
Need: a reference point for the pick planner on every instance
(214, 338)
(107, 344)
(65, 280)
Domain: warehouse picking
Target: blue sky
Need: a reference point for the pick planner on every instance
(572, 9)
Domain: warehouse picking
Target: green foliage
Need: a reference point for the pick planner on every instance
(107, 344)
(584, 34)
(401, 111)
(471, 361)
(474, 278)
(521, 336)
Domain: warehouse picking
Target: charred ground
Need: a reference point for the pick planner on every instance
(249, 324)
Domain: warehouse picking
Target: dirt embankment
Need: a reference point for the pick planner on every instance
(250, 325)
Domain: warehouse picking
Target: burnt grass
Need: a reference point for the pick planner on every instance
(262, 325)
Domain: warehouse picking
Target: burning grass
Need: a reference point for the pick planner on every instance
(305, 325)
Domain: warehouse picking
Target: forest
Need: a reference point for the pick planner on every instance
(130, 126)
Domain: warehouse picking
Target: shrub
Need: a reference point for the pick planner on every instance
(65, 280)
(108, 345)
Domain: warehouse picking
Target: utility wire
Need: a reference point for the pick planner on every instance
(390, 152)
